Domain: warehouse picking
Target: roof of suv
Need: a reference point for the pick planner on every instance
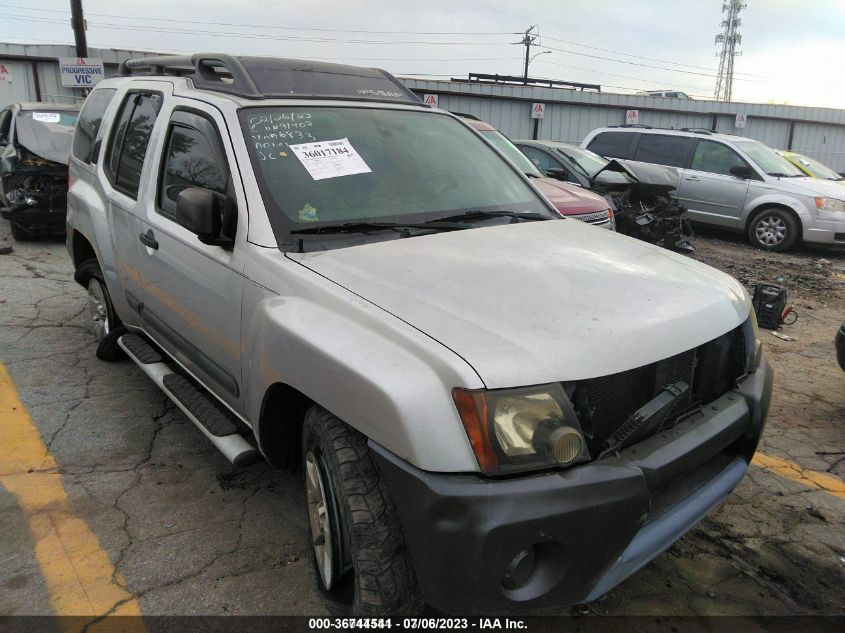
(688, 132)
(274, 78)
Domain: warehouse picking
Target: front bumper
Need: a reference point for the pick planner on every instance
(34, 218)
(829, 229)
(589, 527)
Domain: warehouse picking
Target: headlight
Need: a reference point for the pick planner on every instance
(514, 430)
(830, 204)
(753, 345)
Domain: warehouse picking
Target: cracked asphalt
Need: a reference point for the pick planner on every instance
(183, 532)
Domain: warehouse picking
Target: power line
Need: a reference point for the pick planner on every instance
(265, 26)
(258, 36)
(622, 61)
(651, 59)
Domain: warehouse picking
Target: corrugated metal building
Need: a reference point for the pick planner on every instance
(571, 114)
(30, 72)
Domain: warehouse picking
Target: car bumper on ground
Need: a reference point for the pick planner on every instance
(34, 218)
(491, 546)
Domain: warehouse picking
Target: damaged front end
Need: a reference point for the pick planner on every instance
(646, 205)
(33, 174)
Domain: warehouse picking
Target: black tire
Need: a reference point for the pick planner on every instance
(20, 233)
(376, 576)
(773, 229)
(107, 349)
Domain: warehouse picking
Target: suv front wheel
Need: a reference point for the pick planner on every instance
(773, 229)
(358, 555)
(102, 316)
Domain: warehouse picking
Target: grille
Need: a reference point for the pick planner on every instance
(592, 218)
(603, 404)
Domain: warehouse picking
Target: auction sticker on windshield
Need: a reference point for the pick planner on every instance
(330, 159)
(47, 117)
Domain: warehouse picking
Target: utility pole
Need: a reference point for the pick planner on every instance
(77, 21)
(527, 41)
(729, 38)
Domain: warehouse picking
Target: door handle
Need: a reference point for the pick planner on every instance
(693, 178)
(148, 239)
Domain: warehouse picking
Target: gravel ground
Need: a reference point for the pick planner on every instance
(188, 534)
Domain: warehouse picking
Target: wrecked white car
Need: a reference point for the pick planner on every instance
(35, 140)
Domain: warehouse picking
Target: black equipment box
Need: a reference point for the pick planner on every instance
(769, 303)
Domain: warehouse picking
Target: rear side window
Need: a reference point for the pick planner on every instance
(89, 123)
(129, 141)
(715, 158)
(662, 149)
(612, 144)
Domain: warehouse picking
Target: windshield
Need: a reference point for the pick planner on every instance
(815, 167)
(522, 162)
(585, 161)
(589, 164)
(66, 118)
(768, 159)
(334, 165)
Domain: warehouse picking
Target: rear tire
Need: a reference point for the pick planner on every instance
(358, 556)
(773, 229)
(104, 321)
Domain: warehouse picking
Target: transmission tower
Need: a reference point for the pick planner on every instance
(729, 38)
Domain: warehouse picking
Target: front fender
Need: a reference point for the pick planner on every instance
(378, 374)
(775, 199)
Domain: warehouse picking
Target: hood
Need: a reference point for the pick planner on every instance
(644, 177)
(539, 302)
(570, 199)
(807, 186)
(51, 141)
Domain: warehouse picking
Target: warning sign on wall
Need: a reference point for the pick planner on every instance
(5, 75)
(538, 110)
(740, 120)
(430, 100)
(632, 117)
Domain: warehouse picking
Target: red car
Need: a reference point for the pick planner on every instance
(570, 200)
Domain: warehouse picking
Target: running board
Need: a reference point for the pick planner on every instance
(201, 409)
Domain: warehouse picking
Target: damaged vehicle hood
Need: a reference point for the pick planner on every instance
(540, 302)
(643, 177)
(51, 141)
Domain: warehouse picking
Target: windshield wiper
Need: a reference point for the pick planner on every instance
(362, 227)
(471, 216)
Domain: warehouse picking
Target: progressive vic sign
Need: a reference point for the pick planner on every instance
(81, 72)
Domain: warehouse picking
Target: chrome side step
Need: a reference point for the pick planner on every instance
(199, 408)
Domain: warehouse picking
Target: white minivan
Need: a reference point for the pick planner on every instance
(735, 183)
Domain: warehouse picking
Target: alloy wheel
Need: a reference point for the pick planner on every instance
(320, 518)
(97, 309)
(770, 230)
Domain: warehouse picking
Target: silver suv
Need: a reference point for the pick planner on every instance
(735, 183)
(493, 406)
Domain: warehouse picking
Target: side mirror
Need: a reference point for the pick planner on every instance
(742, 171)
(557, 172)
(199, 210)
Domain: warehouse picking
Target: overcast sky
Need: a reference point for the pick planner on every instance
(791, 52)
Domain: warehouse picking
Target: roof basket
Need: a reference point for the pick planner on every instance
(275, 78)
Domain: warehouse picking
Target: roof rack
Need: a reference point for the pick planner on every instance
(639, 125)
(698, 130)
(275, 78)
(464, 115)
